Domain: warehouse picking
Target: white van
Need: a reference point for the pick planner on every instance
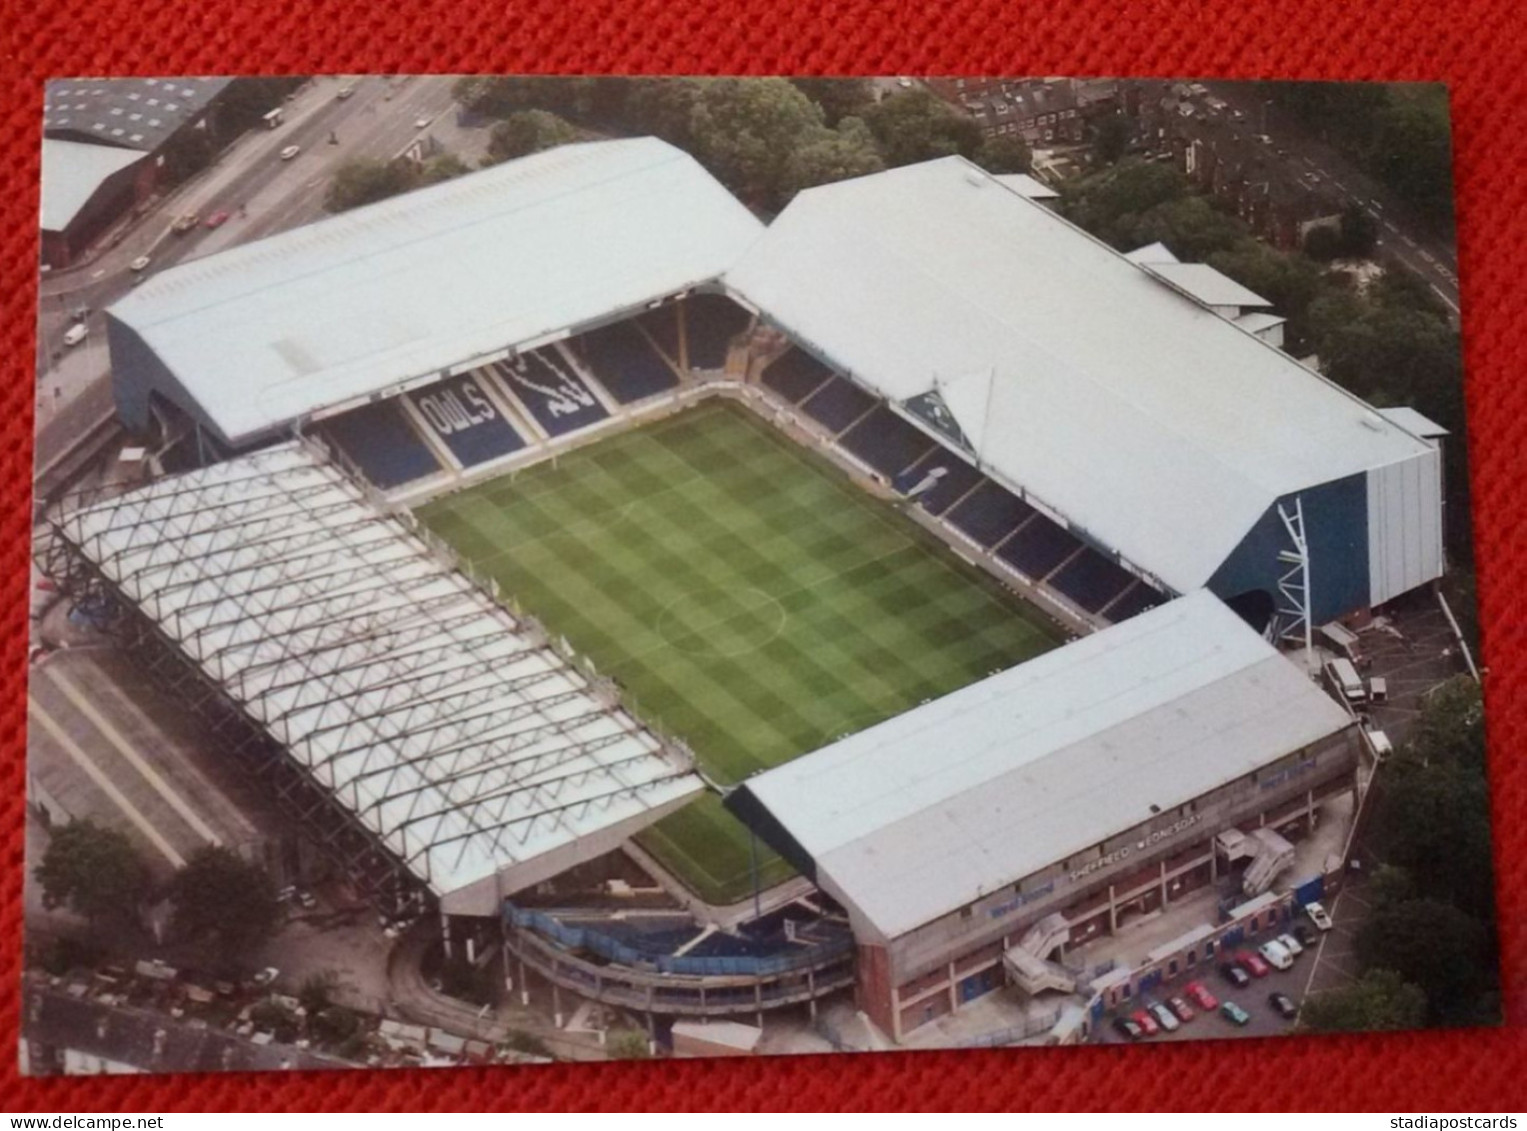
(1276, 954)
(1343, 678)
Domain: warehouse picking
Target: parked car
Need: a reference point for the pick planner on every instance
(1318, 916)
(76, 334)
(290, 151)
(1146, 1022)
(218, 218)
(139, 264)
(1291, 944)
(1305, 936)
(1199, 995)
(1182, 1010)
(1235, 974)
(1234, 1013)
(1127, 1029)
(1283, 1004)
(1253, 964)
(1163, 1017)
(1275, 955)
(184, 224)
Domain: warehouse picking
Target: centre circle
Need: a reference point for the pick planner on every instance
(697, 624)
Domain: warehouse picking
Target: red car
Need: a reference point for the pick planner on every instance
(218, 218)
(1253, 963)
(1148, 1024)
(1199, 995)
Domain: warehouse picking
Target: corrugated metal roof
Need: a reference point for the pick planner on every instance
(448, 727)
(134, 113)
(72, 171)
(916, 817)
(407, 288)
(1137, 414)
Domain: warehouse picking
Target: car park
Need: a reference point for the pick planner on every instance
(1283, 1004)
(1318, 916)
(1164, 1017)
(1199, 995)
(1127, 1029)
(76, 334)
(290, 151)
(1146, 1022)
(1291, 944)
(218, 218)
(1235, 974)
(1181, 1009)
(1305, 936)
(1253, 963)
(139, 264)
(1234, 1013)
(1275, 955)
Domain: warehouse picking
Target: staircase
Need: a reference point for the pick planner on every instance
(1273, 855)
(1028, 963)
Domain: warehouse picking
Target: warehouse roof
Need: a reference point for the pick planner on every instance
(453, 731)
(918, 816)
(1202, 282)
(72, 171)
(438, 279)
(133, 113)
(1077, 375)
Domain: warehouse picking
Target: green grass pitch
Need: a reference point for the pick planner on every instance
(749, 597)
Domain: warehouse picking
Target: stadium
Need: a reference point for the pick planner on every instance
(711, 616)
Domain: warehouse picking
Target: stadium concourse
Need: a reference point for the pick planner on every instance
(906, 524)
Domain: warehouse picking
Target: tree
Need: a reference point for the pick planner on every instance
(1323, 243)
(837, 98)
(525, 132)
(1290, 281)
(1109, 204)
(1192, 227)
(627, 1044)
(1379, 1000)
(221, 898)
(276, 1019)
(1359, 232)
(334, 1024)
(1110, 136)
(366, 182)
(443, 168)
(1005, 153)
(95, 872)
(833, 156)
(665, 108)
(745, 131)
(318, 990)
(1433, 945)
(916, 125)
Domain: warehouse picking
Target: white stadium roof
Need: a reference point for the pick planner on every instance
(1077, 375)
(1204, 283)
(922, 814)
(72, 171)
(434, 280)
(451, 730)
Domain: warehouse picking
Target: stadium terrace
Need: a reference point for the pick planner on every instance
(901, 596)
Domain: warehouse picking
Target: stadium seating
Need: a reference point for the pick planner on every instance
(960, 477)
(795, 375)
(547, 386)
(1038, 548)
(380, 441)
(710, 324)
(1091, 580)
(990, 513)
(663, 325)
(886, 442)
(467, 421)
(1134, 602)
(838, 404)
(625, 362)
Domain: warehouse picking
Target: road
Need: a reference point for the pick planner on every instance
(378, 121)
(1402, 234)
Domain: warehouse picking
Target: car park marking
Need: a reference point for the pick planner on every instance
(1449, 303)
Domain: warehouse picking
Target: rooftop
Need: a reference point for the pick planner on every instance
(133, 113)
(72, 171)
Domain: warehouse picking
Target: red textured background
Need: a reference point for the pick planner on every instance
(1479, 48)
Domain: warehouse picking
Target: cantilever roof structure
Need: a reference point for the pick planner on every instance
(924, 813)
(1079, 377)
(438, 280)
(72, 171)
(453, 731)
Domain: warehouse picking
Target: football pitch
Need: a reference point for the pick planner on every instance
(749, 598)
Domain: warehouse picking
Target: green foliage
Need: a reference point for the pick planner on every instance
(1380, 1000)
(527, 1043)
(365, 182)
(665, 108)
(1109, 137)
(93, 871)
(334, 1024)
(835, 155)
(272, 1017)
(318, 990)
(837, 98)
(916, 125)
(221, 898)
(61, 955)
(525, 132)
(1390, 884)
(1323, 243)
(1005, 153)
(1110, 204)
(1291, 282)
(627, 1044)
(1359, 232)
(443, 168)
(746, 131)
(1433, 945)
